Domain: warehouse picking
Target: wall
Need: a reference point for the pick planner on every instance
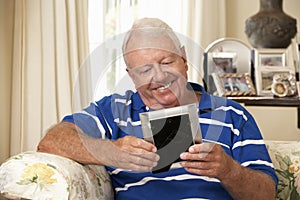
(278, 123)
(6, 32)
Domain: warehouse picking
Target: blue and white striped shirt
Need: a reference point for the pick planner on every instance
(223, 121)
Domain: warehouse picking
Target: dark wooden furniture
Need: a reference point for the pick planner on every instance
(271, 101)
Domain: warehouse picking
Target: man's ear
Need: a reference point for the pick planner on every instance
(183, 54)
(130, 74)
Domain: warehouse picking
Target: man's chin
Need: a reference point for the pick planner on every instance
(164, 104)
(156, 107)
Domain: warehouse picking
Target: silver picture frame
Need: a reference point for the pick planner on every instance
(270, 57)
(264, 78)
(226, 48)
(172, 131)
(223, 62)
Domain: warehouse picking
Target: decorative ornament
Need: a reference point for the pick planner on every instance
(270, 27)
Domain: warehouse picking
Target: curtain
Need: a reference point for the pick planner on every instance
(50, 44)
(6, 30)
(203, 21)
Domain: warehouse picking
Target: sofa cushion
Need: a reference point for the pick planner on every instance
(35, 175)
(286, 160)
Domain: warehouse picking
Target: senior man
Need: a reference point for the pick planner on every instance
(232, 162)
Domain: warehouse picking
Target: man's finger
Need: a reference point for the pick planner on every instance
(203, 147)
(143, 160)
(195, 156)
(140, 143)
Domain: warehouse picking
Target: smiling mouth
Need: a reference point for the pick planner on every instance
(165, 87)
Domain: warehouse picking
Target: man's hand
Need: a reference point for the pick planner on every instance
(131, 153)
(242, 183)
(128, 153)
(207, 159)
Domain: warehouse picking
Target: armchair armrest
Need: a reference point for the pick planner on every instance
(286, 160)
(36, 175)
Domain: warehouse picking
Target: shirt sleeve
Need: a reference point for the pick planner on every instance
(249, 148)
(91, 121)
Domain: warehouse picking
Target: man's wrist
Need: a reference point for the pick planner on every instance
(234, 172)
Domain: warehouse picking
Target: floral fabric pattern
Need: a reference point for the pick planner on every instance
(34, 175)
(286, 160)
(38, 173)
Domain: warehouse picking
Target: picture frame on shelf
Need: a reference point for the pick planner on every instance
(218, 62)
(295, 57)
(234, 84)
(224, 47)
(264, 78)
(270, 57)
(223, 62)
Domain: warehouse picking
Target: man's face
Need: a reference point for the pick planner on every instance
(160, 76)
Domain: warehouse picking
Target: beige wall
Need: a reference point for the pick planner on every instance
(278, 123)
(6, 30)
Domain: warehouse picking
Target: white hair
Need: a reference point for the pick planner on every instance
(151, 28)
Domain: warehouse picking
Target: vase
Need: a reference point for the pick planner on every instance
(271, 27)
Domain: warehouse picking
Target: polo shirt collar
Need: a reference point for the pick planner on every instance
(137, 102)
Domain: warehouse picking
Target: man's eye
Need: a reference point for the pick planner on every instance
(167, 63)
(145, 71)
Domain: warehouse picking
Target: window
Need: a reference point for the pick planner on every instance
(108, 18)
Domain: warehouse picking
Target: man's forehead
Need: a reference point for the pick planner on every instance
(153, 51)
(148, 56)
(151, 40)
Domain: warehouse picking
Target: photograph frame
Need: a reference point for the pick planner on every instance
(234, 84)
(223, 62)
(271, 57)
(227, 44)
(211, 66)
(264, 78)
(172, 131)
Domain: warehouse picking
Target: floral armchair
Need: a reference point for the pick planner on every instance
(33, 175)
(286, 161)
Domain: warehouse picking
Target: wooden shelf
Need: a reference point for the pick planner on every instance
(271, 101)
(268, 101)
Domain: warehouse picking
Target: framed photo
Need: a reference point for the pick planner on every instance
(231, 49)
(270, 57)
(172, 131)
(264, 78)
(223, 62)
(218, 62)
(234, 84)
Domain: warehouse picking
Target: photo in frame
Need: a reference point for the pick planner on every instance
(235, 48)
(218, 62)
(223, 62)
(264, 78)
(234, 84)
(270, 57)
